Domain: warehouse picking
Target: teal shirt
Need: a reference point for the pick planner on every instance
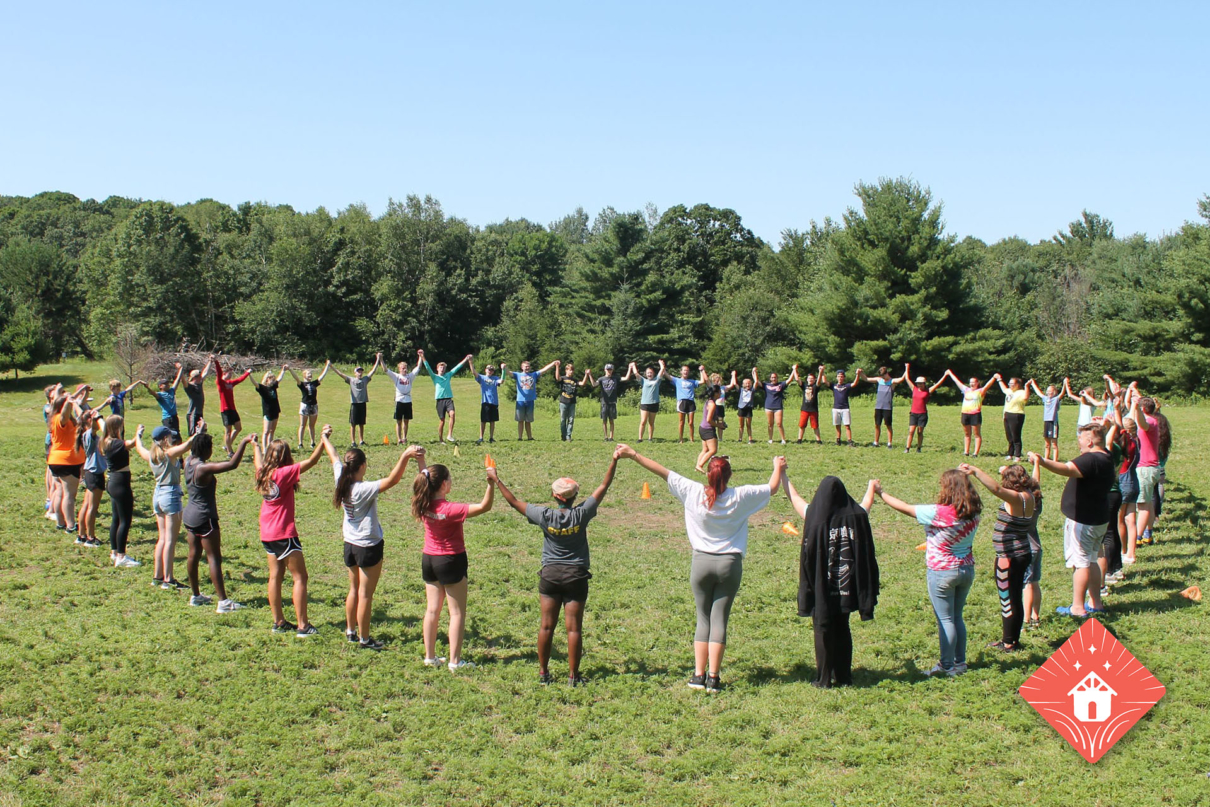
(441, 383)
(651, 391)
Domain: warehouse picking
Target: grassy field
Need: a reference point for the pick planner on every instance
(112, 692)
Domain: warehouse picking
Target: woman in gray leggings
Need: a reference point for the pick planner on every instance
(716, 519)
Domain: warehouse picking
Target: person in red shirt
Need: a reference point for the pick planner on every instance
(225, 381)
(443, 564)
(276, 481)
(918, 418)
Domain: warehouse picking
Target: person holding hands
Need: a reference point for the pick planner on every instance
(359, 399)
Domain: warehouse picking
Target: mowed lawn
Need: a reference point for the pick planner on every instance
(114, 692)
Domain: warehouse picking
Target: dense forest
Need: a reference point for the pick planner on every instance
(883, 285)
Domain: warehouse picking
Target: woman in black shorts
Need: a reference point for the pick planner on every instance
(563, 581)
(270, 406)
(443, 565)
(712, 423)
(200, 517)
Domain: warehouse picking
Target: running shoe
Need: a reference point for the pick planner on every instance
(1104, 591)
(304, 632)
(714, 683)
(461, 664)
(173, 585)
(852, 444)
(798, 442)
(957, 669)
(351, 635)
(783, 442)
(917, 449)
(1127, 561)
(545, 678)
(938, 670)
(126, 562)
(157, 582)
(284, 627)
(577, 681)
(479, 442)
(875, 444)
(434, 662)
(370, 644)
(492, 440)
(770, 442)
(228, 606)
(698, 681)
(93, 543)
(80, 540)
(199, 599)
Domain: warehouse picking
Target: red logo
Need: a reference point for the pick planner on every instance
(1092, 690)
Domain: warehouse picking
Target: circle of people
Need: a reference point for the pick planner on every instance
(1113, 494)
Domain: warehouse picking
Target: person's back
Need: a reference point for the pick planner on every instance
(564, 532)
(723, 526)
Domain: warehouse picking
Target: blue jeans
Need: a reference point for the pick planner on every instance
(567, 419)
(948, 589)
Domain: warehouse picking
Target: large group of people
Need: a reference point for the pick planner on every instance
(1112, 496)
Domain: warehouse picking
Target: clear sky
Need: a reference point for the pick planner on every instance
(1017, 115)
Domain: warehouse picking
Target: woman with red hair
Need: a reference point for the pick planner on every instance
(716, 519)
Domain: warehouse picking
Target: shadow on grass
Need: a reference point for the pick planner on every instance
(34, 383)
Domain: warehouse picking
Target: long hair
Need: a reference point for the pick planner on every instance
(277, 455)
(718, 474)
(83, 426)
(1015, 477)
(1163, 430)
(425, 487)
(354, 460)
(113, 431)
(958, 492)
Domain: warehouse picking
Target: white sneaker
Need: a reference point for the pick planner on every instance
(958, 669)
(434, 662)
(783, 442)
(1127, 561)
(227, 606)
(461, 664)
(938, 670)
(770, 442)
(199, 599)
(126, 562)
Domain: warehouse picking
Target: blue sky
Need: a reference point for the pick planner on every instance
(1017, 116)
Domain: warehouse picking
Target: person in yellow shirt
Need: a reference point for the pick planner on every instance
(1016, 395)
(972, 409)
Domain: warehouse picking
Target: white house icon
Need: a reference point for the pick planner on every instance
(1092, 699)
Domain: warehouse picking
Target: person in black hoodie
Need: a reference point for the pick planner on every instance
(838, 573)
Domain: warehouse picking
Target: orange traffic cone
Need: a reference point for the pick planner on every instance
(488, 462)
(922, 546)
(646, 491)
(386, 441)
(789, 529)
(1192, 593)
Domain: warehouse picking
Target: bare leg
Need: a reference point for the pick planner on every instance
(978, 439)
(351, 601)
(277, 574)
(298, 570)
(573, 617)
(692, 432)
(769, 421)
(455, 598)
(549, 607)
(966, 440)
(781, 429)
(700, 655)
(435, 596)
(214, 556)
(716, 657)
(174, 533)
(365, 598)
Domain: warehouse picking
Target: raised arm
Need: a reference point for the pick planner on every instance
(183, 447)
(206, 368)
(138, 444)
(293, 375)
(1068, 392)
(907, 368)
(377, 364)
(312, 460)
(663, 373)
(397, 472)
(603, 488)
(257, 458)
(631, 372)
(242, 377)
(554, 363)
(587, 379)
(893, 503)
(485, 505)
(214, 468)
(1067, 469)
(624, 451)
(755, 379)
(130, 389)
(176, 382)
(327, 366)
(990, 483)
(779, 469)
(1003, 387)
(326, 440)
(733, 384)
(798, 502)
(513, 502)
(867, 501)
(701, 369)
(793, 379)
(282, 373)
(343, 377)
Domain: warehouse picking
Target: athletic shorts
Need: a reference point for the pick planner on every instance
(524, 412)
(445, 408)
(357, 414)
(403, 410)
(918, 419)
(686, 405)
(281, 549)
(60, 471)
(564, 582)
(653, 408)
(842, 417)
(1033, 572)
(609, 411)
(363, 557)
(94, 480)
(806, 419)
(308, 410)
(1050, 430)
(1148, 476)
(1081, 543)
(744, 412)
(167, 500)
(444, 569)
(489, 413)
(173, 423)
(230, 417)
(975, 419)
(207, 528)
(883, 416)
(707, 433)
(1128, 484)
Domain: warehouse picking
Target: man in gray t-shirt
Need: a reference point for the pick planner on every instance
(610, 386)
(358, 398)
(563, 581)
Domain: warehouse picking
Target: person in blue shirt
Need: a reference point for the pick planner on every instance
(527, 393)
(686, 406)
(489, 398)
(1050, 418)
(649, 400)
(166, 398)
(117, 396)
(443, 392)
(884, 401)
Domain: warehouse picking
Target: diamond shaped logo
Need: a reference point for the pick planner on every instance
(1092, 690)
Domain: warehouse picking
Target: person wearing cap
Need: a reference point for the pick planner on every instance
(527, 393)
(563, 580)
(918, 418)
(359, 398)
(610, 385)
(164, 457)
(489, 392)
(166, 398)
(443, 391)
(196, 394)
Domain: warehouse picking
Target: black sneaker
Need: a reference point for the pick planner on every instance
(713, 683)
(284, 627)
(917, 449)
(304, 632)
(351, 635)
(80, 540)
(479, 442)
(852, 444)
(577, 681)
(698, 681)
(367, 644)
(492, 440)
(837, 441)
(544, 678)
(798, 442)
(176, 584)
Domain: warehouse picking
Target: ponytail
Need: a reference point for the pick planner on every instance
(425, 487)
(718, 474)
(83, 426)
(277, 455)
(354, 460)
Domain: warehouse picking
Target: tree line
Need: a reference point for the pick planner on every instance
(884, 284)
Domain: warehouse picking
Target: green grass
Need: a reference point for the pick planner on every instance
(112, 692)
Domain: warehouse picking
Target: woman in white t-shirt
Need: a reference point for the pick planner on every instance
(358, 500)
(716, 519)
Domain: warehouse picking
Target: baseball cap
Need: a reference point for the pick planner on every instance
(609, 367)
(160, 432)
(565, 488)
